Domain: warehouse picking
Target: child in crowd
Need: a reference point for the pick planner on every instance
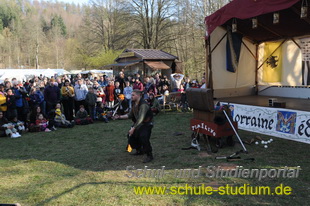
(7, 128)
(18, 125)
(100, 113)
(110, 94)
(82, 117)
(100, 94)
(60, 119)
(42, 123)
(117, 90)
(127, 92)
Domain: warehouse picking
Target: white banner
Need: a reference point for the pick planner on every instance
(278, 122)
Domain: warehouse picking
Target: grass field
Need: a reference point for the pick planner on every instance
(86, 165)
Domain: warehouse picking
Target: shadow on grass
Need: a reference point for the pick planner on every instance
(101, 146)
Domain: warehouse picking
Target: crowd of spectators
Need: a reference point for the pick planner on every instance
(43, 104)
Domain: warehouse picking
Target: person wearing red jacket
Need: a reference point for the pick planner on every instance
(110, 94)
(138, 85)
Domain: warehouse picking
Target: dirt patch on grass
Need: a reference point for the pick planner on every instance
(204, 154)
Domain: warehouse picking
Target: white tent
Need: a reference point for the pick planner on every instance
(248, 75)
(24, 74)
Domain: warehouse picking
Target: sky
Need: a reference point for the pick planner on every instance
(73, 1)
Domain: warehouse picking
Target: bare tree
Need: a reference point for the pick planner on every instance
(154, 21)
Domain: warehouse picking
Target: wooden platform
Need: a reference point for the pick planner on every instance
(263, 101)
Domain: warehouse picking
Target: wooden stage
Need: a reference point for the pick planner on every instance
(263, 101)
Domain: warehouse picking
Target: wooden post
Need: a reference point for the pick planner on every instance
(207, 67)
(209, 64)
(256, 70)
(143, 71)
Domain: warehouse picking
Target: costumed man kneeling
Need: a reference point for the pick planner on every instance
(140, 133)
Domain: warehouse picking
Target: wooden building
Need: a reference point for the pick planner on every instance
(146, 62)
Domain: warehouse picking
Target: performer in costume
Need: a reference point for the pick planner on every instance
(140, 132)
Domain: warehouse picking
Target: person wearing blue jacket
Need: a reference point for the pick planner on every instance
(51, 95)
(21, 104)
(37, 98)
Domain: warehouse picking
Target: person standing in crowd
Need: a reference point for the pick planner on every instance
(51, 95)
(187, 83)
(127, 92)
(176, 80)
(117, 89)
(67, 93)
(80, 91)
(138, 85)
(203, 83)
(140, 132)
(138, 76)
(103, 81)
(195, 84)
(91, 99)
(121, 80)
(59, 82)
(110, 94)
(152, 86)
(163, 84)
(8, 85)
(3, 106)
(88, 83)
(21, 104)
(11, 105)
(157, 79)
(37, 98)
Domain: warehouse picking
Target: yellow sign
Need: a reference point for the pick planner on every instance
(272, 69)
(126, 54)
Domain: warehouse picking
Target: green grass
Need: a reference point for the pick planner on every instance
(86, 166)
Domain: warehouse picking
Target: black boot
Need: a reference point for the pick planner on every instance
(138, 152)
(148, 158)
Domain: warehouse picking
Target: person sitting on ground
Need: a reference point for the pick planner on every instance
(18, 125)
(8, 127)
(100, 113)
(42, 123)
(31, 119)
(154, 104)
(82, 117)
(122, 107)
(60, 119)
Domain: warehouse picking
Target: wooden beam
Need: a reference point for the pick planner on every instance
(297, 11)
(270, 30)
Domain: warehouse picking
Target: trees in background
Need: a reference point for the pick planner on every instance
(43, 34)
(154, 23)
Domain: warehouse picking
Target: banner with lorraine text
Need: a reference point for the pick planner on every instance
(278, 122)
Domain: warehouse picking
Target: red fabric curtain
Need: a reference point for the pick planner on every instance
(244, 9)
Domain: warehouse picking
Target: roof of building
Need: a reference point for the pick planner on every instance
(148, 54)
